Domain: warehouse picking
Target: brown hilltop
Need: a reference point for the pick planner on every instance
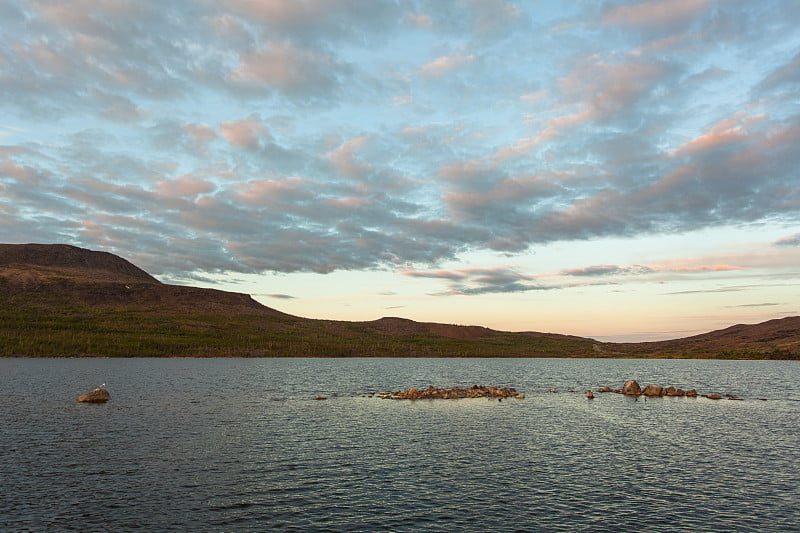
(404, 326)
(78, 261)
(59, 273)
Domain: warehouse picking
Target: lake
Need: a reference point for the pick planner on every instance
(242, 445)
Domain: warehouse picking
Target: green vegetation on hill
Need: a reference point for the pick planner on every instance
(82, 330)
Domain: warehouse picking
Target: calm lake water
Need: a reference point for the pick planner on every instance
(242, 445)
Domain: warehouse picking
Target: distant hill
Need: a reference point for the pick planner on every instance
(774, 337)
(58, 273)
(60, 300)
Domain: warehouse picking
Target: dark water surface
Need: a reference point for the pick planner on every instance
(241, 445)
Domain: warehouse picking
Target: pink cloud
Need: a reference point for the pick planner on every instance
(279, 12)
(344, 158)
(597, 90)
(347, 204)
(266, 192)
(184, 186)
(725, 132)
(445, 65)
(21, 174)
(245, 133)
(285, 67)
(708, 268)
(420, 21)
(199, 132)
(656, 13)
(791, 240)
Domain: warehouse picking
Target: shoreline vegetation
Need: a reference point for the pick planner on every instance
(63, 301)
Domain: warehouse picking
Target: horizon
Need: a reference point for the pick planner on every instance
(623, 171)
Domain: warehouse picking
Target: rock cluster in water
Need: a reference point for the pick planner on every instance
(434, 393)
(632, 388)
(98, 395)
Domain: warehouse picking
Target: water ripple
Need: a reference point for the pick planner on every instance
(241, 445)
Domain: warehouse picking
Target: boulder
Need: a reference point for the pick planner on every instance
(670, 391)
(98, 395)
(691, 393)
(653, 390)
(712, 396)
(604, 389)
(631, 387)
(589, 395)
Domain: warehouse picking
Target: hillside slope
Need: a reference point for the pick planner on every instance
(70, 259)
(60, 274)
(779, 338)
(59, 300)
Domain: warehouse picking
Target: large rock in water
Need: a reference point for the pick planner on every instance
(632, 388)
(653, 390)
(98, 395)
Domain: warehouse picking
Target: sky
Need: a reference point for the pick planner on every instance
(621, 170)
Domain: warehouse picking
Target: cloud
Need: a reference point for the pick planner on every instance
(445, 65)
(707, 268)
(736, 288)
(605, 89)
(420, 20)
(713, 291)
(476, 281)
(262, 136)
(280, 296)
(345, 160)
(318, 20)
(292, 71)
(787, 75)
(608, 270)
(790, 240)
(656, 13)
(766, 304)
(728, 132)
(436, 274)
(184, 186)
(246, 133)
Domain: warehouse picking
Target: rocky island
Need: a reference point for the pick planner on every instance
(434, 393)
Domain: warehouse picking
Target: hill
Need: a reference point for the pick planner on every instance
(59, 300)
(779, 338)
(16, 260)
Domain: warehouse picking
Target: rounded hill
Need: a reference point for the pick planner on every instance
(64, 256)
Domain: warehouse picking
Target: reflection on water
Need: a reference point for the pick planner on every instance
(241, 444)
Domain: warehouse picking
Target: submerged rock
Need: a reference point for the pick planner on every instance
(605, 389)
(98, 395)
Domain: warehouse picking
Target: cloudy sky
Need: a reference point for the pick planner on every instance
(616, 169)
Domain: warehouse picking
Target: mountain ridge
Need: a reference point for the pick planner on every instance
(48, 291)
